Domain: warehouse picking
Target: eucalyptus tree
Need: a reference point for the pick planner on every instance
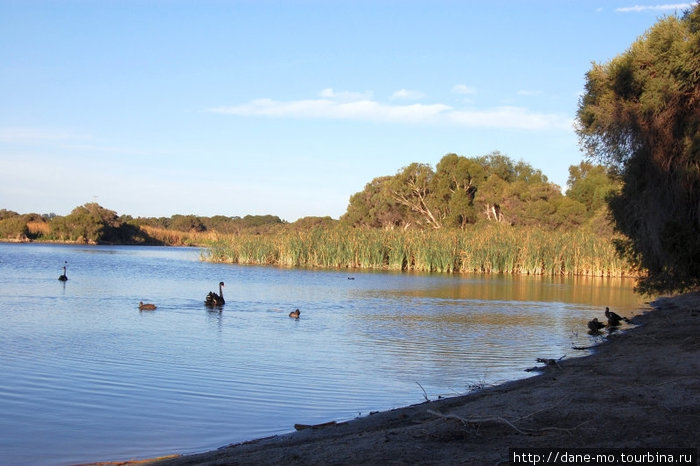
(89, 223)
(375, 207)
(591, 185)
(640, 116)
(455, 184)
(412, 188)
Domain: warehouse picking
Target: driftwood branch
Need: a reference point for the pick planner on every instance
(502, 420)
(425, 395)
(546, 362)
(480, 420)
(314, 426)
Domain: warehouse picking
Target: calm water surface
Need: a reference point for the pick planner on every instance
(86, 376)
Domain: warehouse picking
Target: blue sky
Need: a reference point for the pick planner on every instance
(228, 107)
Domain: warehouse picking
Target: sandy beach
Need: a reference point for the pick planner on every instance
(640, 388)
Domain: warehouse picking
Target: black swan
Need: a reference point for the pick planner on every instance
(595, 325)
(63, 277)
(215, 300)
(613, 318)
(295, 314)
(146, 307)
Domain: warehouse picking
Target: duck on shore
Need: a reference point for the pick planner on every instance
(595, 325)
(613, 318)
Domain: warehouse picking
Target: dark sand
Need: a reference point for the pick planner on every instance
(641, 388)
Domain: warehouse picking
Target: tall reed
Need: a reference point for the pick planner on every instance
(486, 249)
(180, 238)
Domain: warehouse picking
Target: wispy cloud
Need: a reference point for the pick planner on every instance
(526, 92)
(331, 93)
(65, 139)
(364, 109)
(326, 108)
(664, 7)
(112, 149)
(22, 134)
(406, 94)
(463, 89)
(509, 117)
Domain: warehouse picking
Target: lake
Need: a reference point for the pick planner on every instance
(86, 376)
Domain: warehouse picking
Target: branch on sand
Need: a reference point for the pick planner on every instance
(546, 362)
(501, 420)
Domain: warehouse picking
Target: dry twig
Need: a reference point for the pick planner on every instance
(425, 395)
(502, 420)
(483, 420)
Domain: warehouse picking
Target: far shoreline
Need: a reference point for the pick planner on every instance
(460, 273)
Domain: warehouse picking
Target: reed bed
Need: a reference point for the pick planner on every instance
(180, 238)
(38, 228)
(484, 249)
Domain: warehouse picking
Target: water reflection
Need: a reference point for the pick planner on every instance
(593, 290)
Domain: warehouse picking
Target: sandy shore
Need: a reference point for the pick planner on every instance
(641, 388)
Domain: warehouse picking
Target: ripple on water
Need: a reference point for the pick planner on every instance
(86, 376)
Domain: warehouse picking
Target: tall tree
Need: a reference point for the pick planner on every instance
(411, 187)
(375, 207)
(455, 184)
(591, 185)
(89, 223)
(640, 115)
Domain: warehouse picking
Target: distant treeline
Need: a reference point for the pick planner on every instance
(483, 214)
(460, 193)
(463, 191)
(94, 224)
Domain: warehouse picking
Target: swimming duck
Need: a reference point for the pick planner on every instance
(63, 277)
(215, 300)
(295, 314)
(147, 306)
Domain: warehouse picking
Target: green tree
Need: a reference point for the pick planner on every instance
(261, 220)
(640, 116)
(87, 223)
(569, 213)
(187, 223)
(591, 185)
(374, 207)
(309, 223)
(4, 214)
(455, 184)
(461, 191)
(13, 227)
(412, 188)
(490, 196)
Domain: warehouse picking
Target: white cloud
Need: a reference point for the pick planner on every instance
(406, 94)
(325, 108)
(330, 93)
(370, 110)
(112, 149)
(665, 7)
(65, 139)
(21, 134)
(463, 89)
(509, 117)
(526, 92)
